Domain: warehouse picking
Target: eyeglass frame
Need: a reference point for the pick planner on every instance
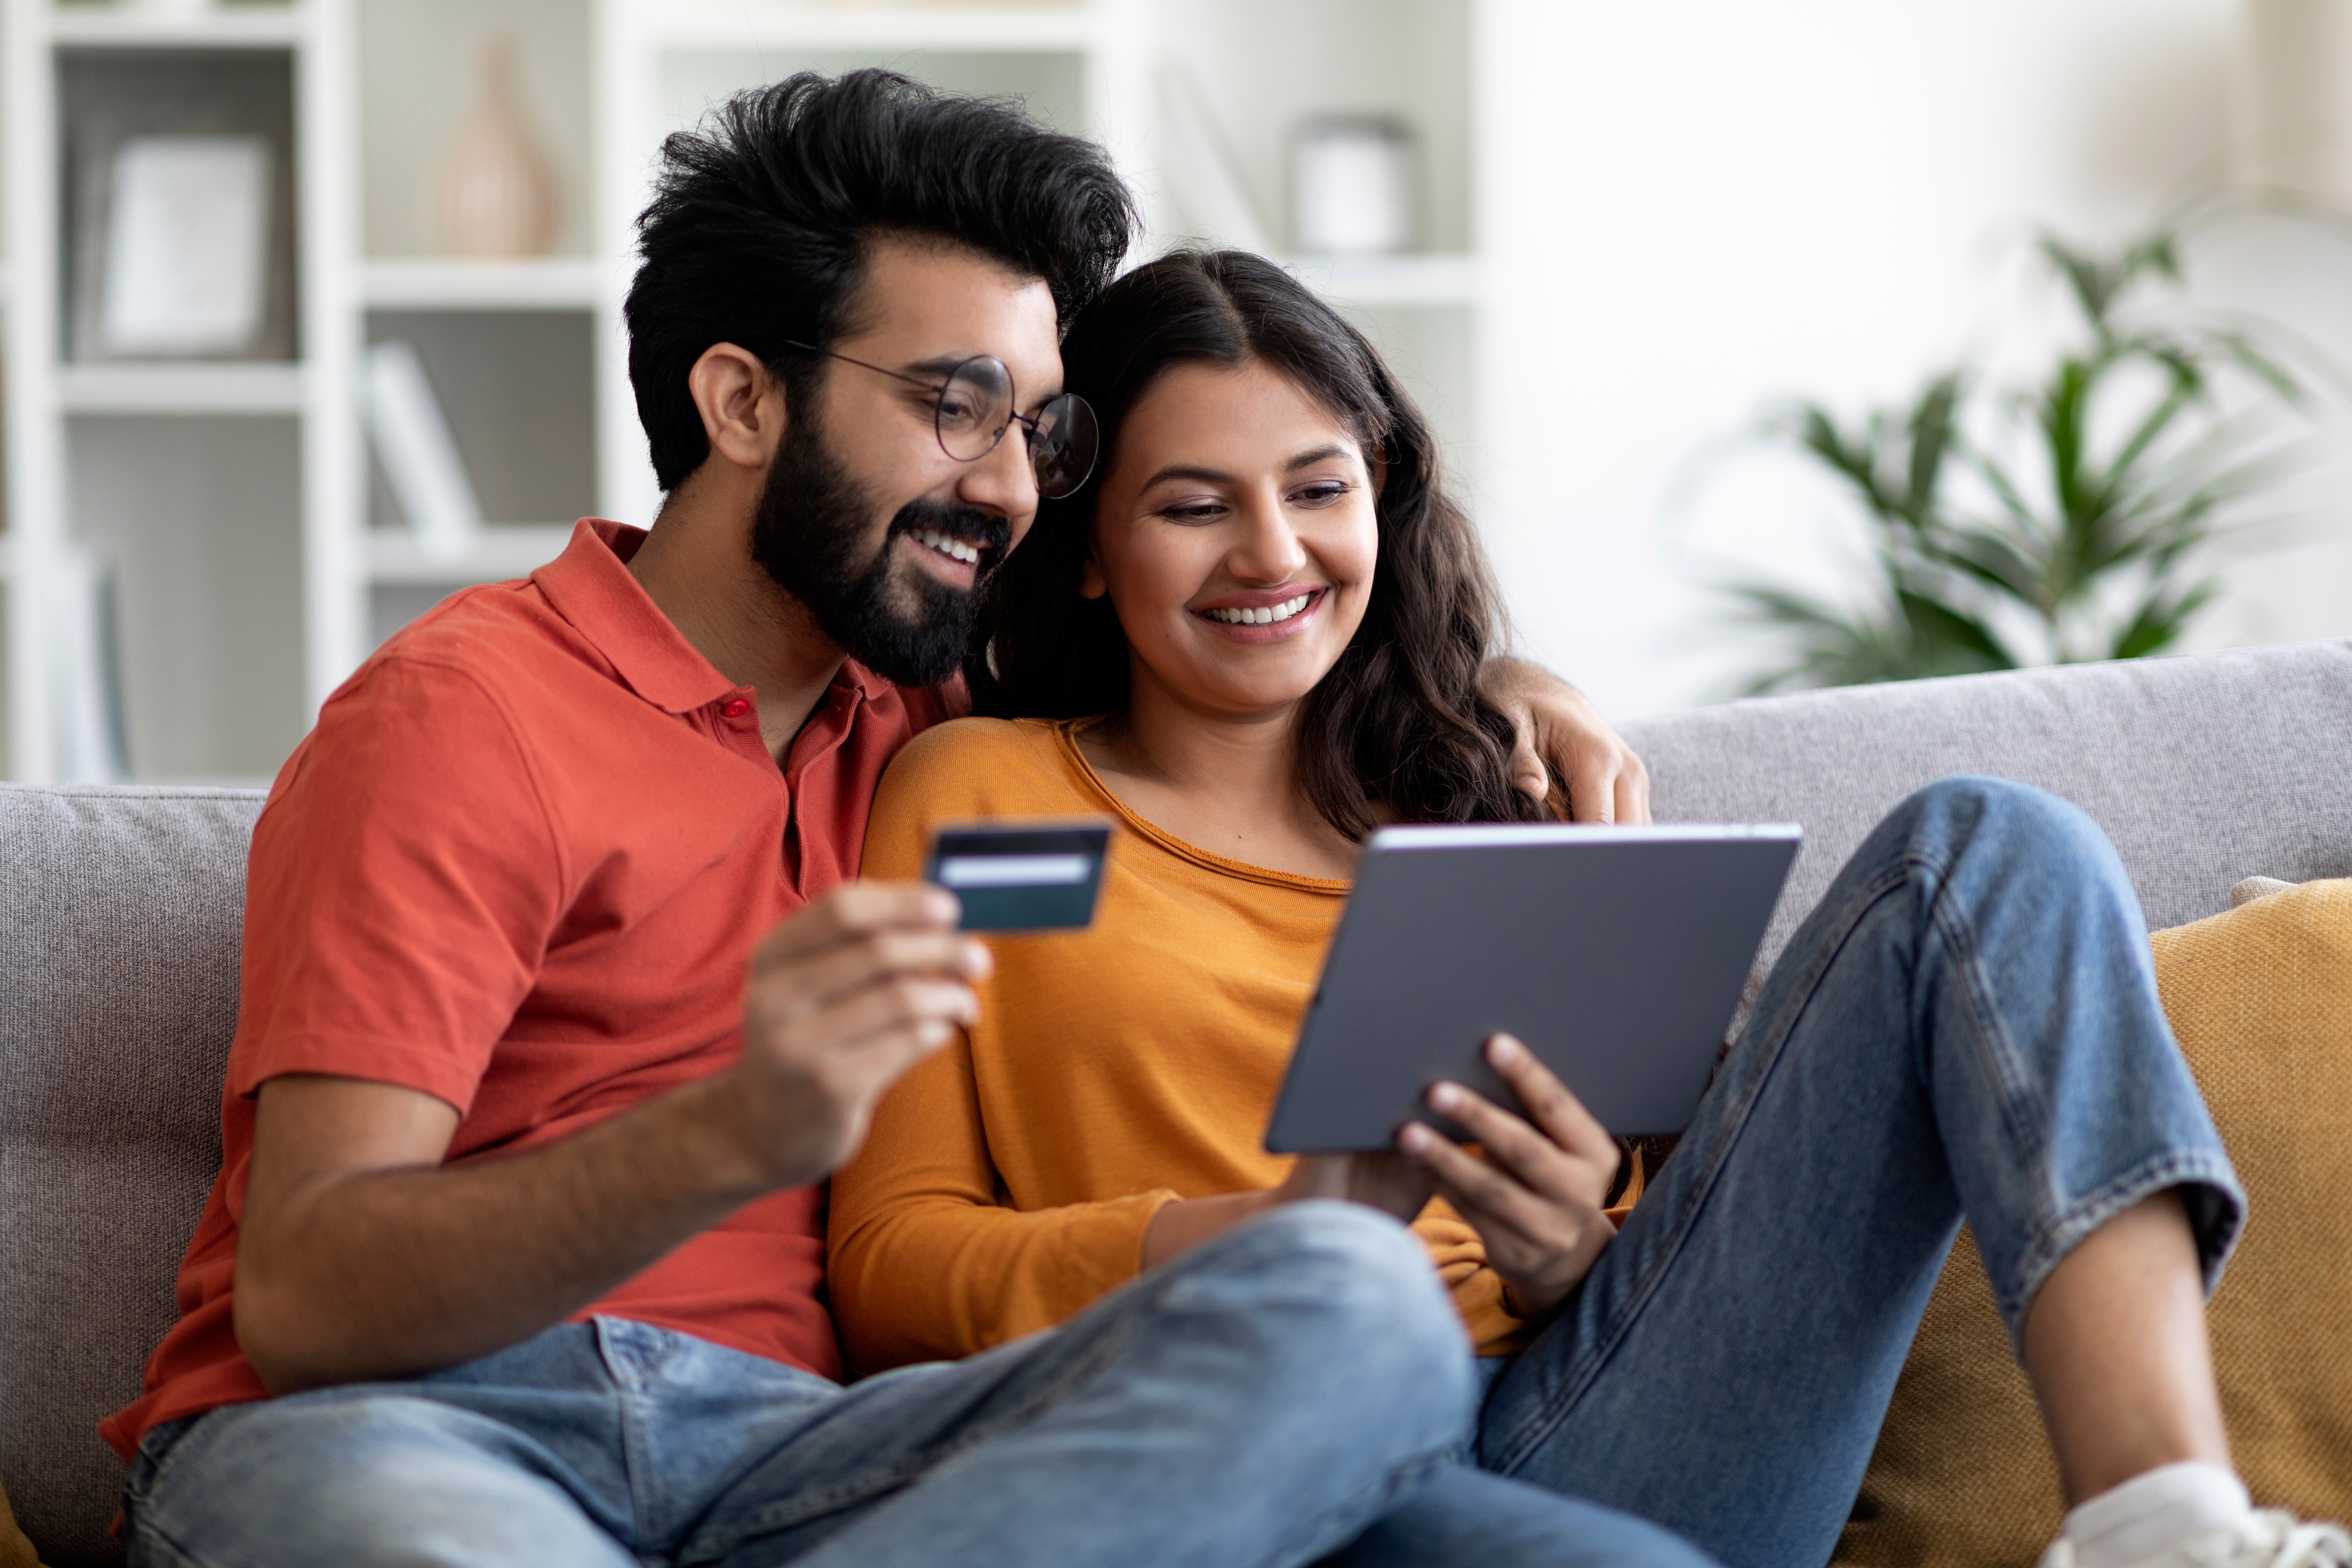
(1028, 422)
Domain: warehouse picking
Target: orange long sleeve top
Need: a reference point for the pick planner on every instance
(1008, 1180)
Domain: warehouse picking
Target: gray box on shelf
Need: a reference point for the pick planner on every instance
(117, 988)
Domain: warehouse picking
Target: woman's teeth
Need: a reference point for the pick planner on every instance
(946, 545)
(1265, 616)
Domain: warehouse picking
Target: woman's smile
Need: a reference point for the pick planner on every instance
(1266, 615)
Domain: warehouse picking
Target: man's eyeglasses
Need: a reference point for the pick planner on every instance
(975, 409)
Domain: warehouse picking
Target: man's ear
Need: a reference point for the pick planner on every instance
(742, 404)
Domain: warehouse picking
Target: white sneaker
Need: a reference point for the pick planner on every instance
(2267, 1538)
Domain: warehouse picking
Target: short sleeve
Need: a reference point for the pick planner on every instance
(403, 884)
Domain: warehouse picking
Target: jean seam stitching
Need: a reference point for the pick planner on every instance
(156, 1535)
(179, 1445)
(1548, 1421)
(775, 1516)
(2022, 1110)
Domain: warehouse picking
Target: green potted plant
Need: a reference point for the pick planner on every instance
(2054, 522)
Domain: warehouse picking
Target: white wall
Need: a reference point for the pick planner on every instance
(1698, 204)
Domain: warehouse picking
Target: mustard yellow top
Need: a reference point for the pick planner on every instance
(1009, 1179)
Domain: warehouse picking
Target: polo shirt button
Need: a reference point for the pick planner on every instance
(735, 708)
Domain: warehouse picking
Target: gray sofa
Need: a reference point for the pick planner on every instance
(120, 913)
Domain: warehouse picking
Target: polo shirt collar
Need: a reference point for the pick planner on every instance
(590, 586)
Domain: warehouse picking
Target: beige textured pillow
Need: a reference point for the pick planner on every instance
(2261, 998)
(15, 1551)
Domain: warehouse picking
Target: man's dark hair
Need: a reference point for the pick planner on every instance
(762, 217)
(1399, 720)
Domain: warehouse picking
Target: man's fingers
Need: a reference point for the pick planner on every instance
(853, 910)
(1560, 1115)
(901, 1003)
(785, 988)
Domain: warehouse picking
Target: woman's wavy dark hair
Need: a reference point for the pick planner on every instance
(1399, 720)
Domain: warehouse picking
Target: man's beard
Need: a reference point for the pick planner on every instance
(809, 534)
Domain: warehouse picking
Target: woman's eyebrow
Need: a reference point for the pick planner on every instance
(1190, 471)
(1201, 474)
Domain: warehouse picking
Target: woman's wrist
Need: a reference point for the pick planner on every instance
(1182, 1223)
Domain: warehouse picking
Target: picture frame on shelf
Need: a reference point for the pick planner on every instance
(180, 204)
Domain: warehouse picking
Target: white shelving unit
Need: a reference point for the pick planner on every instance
(258, 557)
(223, 494)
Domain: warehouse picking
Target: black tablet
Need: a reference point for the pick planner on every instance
(1616, 953)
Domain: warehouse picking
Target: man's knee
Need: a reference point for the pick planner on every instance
(379, 1479)
(1354, 1286)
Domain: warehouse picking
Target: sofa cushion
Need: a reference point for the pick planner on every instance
(2261, 998)
(2203, 769)
(118, 998)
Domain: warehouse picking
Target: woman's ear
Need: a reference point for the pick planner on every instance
(1091, 585)
(1379, 465)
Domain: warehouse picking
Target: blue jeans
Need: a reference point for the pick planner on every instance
(1967, 1026)
(1261, 1401)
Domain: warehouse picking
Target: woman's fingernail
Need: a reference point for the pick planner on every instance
(1503, 1050)
(1445, 1096)
(1413, 1138)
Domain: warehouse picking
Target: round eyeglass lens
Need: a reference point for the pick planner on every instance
(975, 407)
(1062, 446)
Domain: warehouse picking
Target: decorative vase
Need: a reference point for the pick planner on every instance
(496, 197)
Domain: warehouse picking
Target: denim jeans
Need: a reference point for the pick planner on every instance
(1260, 1401)
(1967, 1026)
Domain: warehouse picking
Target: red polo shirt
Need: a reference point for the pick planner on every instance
(519, 865)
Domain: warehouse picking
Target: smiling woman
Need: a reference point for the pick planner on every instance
(1257, 452)
(1255, 634)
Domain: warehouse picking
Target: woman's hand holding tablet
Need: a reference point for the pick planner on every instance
(1536, 1188)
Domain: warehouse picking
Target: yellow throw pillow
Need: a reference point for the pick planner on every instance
(2261, 1001)
(15, 1551)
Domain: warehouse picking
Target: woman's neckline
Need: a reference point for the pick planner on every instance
(1065, 735)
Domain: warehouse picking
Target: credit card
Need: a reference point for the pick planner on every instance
(1042, 874)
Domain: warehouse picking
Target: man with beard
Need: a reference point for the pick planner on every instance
(515, 1253)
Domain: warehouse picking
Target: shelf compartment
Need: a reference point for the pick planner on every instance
(111, 101)
(186, 389)
(418, 68)
(202, 522)
(518, 388)
(566, 283)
